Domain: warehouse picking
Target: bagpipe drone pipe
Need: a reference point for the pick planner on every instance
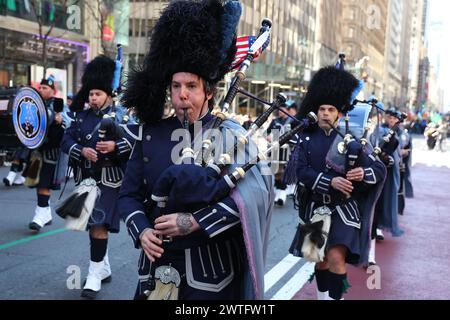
(109, 128)
(256, 48)
(386, 145)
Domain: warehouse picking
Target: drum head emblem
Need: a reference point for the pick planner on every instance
(30, 118)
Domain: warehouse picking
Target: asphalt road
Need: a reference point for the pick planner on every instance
(36, 266)
(40, 266)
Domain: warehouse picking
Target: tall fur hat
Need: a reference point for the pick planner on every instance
(330, 86)
(99, 74)
(190, 36)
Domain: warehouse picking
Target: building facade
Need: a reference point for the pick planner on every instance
(70, 32)
(328, 33)
(21, 46)
(363, 26)
(417, 49)
(286, 64)
(397, 53)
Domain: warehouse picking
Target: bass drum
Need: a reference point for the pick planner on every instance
(30, 118)
(9, 142)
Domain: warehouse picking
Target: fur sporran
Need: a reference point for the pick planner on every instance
(77, 208)
(311, 238)
(167, 282)
(33, 170)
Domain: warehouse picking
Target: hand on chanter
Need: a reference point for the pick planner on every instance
(151, 244)
(356, 174)
(343, 185)
(90, 154)
(105, 146)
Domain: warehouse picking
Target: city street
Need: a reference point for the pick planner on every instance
(410, 267)
(39, 266)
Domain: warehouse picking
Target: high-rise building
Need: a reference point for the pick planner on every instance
(328, 32)
(289, 60)
(286, 64)
(72, 33)
(392, 71)
(424, 63)
(405, 54)
(363, 26)
(143, 16)
(397, 53)
(417, 48)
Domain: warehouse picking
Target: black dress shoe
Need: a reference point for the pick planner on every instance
(379, 237)
(108, 279)
(34, 226)
(89, 294)
(6, 182)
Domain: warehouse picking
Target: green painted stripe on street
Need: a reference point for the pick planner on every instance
(28, 239)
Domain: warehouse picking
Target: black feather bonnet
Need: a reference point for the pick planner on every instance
(190, 36)
(99, 74)
(330, 86)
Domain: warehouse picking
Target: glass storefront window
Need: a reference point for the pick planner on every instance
(50, 12)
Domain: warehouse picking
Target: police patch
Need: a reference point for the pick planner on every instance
(30, 118)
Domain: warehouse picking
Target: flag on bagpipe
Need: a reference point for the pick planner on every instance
(243, 45)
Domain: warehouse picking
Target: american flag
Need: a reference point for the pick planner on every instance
(243, 45)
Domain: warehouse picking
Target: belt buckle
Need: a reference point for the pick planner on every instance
(326, 199)
(323, 211)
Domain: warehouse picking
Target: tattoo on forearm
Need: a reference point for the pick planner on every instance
(184, 222)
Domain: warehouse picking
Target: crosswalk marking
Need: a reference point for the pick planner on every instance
(296, 283)
(278, 271)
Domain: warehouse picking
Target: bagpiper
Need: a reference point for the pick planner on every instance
(98, 144)
(216, 251)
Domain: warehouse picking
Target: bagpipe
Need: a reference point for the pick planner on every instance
(389, 142)
(257, 46)
(110, 127)
(348, 147)
(211, 173)
(168, 198)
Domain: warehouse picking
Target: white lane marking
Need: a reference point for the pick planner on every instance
(278, 271)
(295, 283)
